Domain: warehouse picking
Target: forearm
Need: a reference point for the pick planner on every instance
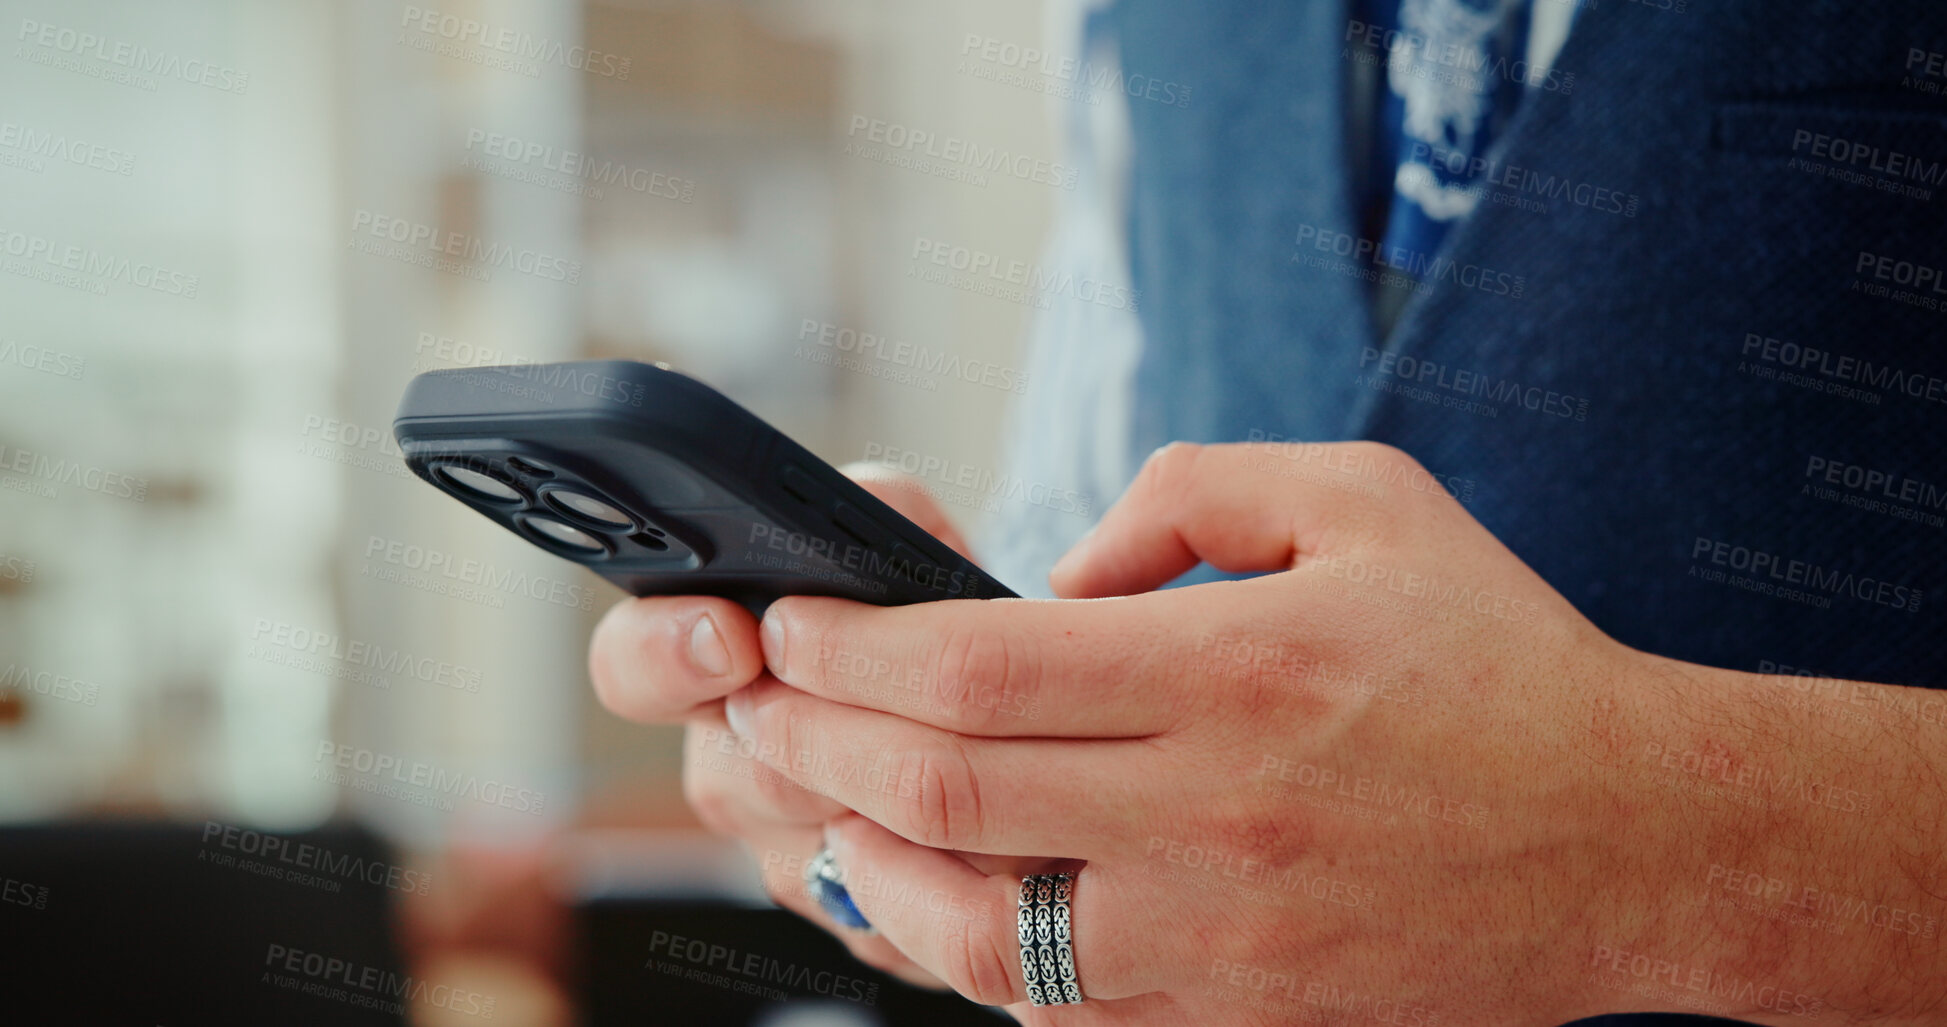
(1797, 831)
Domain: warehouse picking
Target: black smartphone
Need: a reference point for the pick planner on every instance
(665, 486)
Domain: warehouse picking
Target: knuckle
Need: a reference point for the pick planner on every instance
(788, 763)
(1385, 454)
(1382, 521)
(982, 965)
(973, 665)
(1168, 469)
(943, 810)
(809, 633)
(1245, 824)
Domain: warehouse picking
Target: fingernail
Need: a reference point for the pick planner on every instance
(708, 653)
(737, 711)
(773, 641)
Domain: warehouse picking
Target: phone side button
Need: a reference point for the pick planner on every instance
(864, 530)
(929, 555)
(917, 567)
(801, 486)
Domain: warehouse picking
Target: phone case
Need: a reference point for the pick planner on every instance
(692, 494)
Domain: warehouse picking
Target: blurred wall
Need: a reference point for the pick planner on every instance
(220, 592)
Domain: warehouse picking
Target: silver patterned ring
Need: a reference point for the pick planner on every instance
(1043, 926)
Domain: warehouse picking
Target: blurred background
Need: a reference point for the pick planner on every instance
(226, 606)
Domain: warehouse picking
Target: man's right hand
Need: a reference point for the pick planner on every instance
(665, 659)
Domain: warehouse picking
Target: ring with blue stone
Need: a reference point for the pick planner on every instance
(825, 883)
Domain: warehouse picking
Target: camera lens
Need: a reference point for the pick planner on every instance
(485, 486)
(589, 507)
(565, 535)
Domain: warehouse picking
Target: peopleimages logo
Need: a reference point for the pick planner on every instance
(526, 156)
(1768, 573)
(979, 480)
(276, 856)
(446, 783)
(1842, 369)
(426, 244)
(1465, 382)
(513, 43)
(1523, 181)
(1249, 876)
(369, 987)
(1085, 78)
(42, 359)
(84, 268)
(64, 472)
(444, 351)
(23, 678)
(913, 357)
(1924, 70)
(1263, 985)
(433, 570)
(123, 58)
(549, 379)
(1414, 54)
(325, 651)
(66, 149)
(23, 893)
(1920, 285)
(1818, 902)
(1417, 271)
(1432, 594)
(1703, 981)
(1875, 490)
(873, 566)
(953, 150)
(14, 568)
(1014, 280)
(718, 964)
(1327, 781)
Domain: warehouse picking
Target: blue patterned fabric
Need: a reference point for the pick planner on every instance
(1453, 73)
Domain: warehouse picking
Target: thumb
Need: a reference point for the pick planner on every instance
(1192, 504)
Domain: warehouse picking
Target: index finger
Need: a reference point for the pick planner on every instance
(992, 667)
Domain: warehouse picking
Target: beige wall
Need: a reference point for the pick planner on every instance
(255, 412)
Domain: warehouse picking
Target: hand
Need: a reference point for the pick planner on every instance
(1382, 785)
(674, 658)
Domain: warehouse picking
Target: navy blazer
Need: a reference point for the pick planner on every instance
(1687, 360)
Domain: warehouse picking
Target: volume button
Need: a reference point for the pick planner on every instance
(864, 530)
(801, 486)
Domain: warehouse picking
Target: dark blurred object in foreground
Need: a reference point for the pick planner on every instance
(713, 965)
(204, 924)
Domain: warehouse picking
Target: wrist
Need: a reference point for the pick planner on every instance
(1754, 842)
(1637, 930)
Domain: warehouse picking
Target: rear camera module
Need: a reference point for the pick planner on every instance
(590, 508)
(478, 484)
(563, 535)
